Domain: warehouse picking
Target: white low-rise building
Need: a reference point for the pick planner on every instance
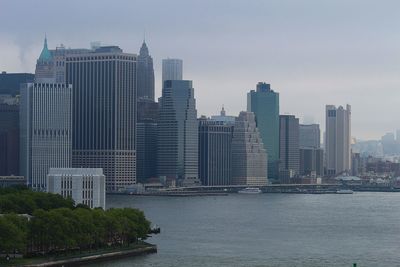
(83, 185)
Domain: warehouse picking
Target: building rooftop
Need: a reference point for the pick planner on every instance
(76, 171)
(45, 55)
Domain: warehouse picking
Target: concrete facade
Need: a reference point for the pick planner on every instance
(249, 157)
(45, 130)
(83, 185)
(338, 140)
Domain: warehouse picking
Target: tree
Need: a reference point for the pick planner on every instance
(13, 233)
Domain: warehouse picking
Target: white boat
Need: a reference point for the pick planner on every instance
(344, 191)
(250, 190)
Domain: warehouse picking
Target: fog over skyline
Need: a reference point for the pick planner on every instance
(312, 52)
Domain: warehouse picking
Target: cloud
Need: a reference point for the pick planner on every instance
(313, 52)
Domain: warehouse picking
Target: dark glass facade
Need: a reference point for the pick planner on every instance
(104, 113)
(146, 140)
(10, 83)
(215, 141)
(178, 132)
(145, 74)
(9, 139)
(264, 103)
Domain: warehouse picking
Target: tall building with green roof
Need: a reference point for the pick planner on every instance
(264, 103)
(45, 71)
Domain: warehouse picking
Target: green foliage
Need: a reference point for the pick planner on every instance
(57, 225)
(13, 230)
(24, 201)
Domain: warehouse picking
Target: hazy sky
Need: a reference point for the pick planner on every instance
(313, 52)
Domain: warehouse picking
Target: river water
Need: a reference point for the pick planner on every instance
(270, 230)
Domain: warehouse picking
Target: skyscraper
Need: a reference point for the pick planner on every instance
(178, 133)
(264, 102)
(215, 142)
(146, 139)
(311, 161)
(310, 135)
(10, 83)
(50, 66)
(289, 165)
(9, 139)
(172, 69)
(45, 68)
(104, 99)
(338, 139)
(45, 130)
(311, 155)
(59, 55)
(249, 158)
(145, 74)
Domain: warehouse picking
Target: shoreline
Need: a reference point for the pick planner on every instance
(276, 191)
(74, 261)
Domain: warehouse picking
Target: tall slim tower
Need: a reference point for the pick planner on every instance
(104, 119)
(145, 74)
(338, 139)
(146, 139)
(172, 69)
(215, 142)
(178, 133)
(45, 130)
(289, 165)
(264, 103)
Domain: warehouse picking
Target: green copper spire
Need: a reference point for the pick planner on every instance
(45, 55)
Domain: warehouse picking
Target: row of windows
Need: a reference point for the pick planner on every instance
(87, 194)
(51, 132)
(101, 153)
(100, 58)
(60, 63)
(331, 113)
(66, 182)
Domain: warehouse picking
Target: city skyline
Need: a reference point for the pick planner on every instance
(347, 60)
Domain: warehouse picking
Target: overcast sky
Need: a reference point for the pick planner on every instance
(313, 52)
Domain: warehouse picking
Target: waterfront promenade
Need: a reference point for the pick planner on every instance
(273, 188)
(97, 257)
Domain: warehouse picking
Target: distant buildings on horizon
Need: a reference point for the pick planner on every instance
(95, 108)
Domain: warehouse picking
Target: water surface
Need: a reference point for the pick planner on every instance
(270, 230)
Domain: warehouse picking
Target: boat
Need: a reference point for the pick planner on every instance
(344, 191)
(250, 190)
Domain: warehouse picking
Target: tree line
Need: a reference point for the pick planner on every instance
(55, 224)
